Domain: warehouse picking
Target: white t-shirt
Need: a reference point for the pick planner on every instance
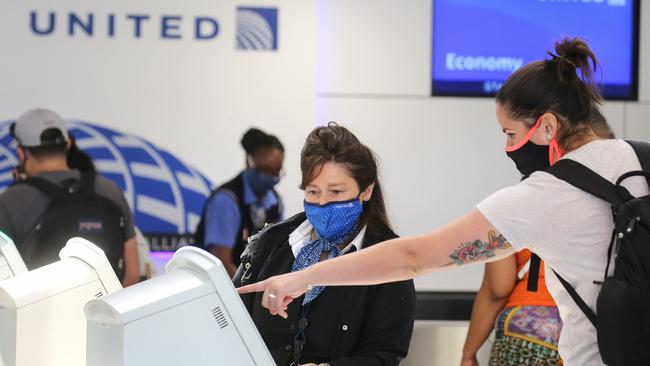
(570, 230)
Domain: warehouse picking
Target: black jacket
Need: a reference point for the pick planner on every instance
(247, 227)
(348, 325)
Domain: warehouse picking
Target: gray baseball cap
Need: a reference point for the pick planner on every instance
(29, 128)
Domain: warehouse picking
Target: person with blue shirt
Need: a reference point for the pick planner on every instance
(240, 207)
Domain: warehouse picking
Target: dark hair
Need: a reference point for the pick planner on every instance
(78, 159)
(599, 123)
(336, 144)
(554, 86)
(275, 142)
(52, 145)
(254, 140)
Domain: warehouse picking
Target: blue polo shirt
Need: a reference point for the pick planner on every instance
(223, 218)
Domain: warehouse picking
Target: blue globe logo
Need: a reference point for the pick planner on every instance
(165, 194)
(257, 28)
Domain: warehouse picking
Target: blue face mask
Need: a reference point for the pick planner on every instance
(334, 220)
(260, 182)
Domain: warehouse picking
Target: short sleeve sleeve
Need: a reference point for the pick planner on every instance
(519, 212)
(222, 220)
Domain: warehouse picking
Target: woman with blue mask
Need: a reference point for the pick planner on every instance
(344, 213)
(240, 207)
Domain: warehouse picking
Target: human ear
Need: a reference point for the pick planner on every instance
(367, 193)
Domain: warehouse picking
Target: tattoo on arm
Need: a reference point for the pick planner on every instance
(478, 250)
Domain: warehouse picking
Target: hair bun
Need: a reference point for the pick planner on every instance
(254, 138)
(575, 53)
(572, 54)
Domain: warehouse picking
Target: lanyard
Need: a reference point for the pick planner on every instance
(300, 339)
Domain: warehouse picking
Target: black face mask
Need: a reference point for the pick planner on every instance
(530, 158)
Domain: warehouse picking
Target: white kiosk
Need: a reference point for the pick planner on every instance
(11, 264)
(41, 312)
(191, 315)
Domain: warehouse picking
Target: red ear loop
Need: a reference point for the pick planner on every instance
(554, 148)
(528, 136)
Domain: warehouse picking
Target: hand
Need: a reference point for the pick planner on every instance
(279, 291)
(469, 361)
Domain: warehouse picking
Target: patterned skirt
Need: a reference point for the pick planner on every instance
(527, 335)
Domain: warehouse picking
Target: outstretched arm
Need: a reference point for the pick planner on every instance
(470, 239)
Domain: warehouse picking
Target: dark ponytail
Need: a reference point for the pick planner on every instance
(555, 86)
(334, 143)
(79, 159)
(255, 139)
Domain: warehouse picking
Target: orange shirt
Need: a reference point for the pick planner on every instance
(520, 296)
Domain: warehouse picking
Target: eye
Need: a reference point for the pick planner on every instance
(336, 191)
(312, 192)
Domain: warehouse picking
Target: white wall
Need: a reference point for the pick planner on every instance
(440, 156)
(364, 63)
(194, 98)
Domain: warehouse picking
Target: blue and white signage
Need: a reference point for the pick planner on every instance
(166, 195)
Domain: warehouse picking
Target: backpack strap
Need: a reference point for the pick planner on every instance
(54, 191)
(533, 272)
(578, 300)
(85, 185)
(642, 150)
(589, 181)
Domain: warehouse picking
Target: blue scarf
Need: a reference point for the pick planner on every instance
(310, 254)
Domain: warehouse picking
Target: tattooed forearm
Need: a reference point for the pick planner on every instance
(478, 250)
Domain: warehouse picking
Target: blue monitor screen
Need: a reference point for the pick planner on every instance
(477, 44)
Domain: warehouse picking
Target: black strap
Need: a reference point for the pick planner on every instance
(300, 338)
(54, 191)
(589, 181)
(87, 182)
(642, 150)
(85, 185)
(533, 272)
(586, 179)
(578, 300)
(609, 255)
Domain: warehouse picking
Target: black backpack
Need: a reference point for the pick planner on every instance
(623, 304)
(75, 210)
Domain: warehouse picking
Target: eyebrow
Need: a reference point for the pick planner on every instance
(328, 186)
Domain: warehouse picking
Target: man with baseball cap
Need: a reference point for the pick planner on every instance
(43, 141)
